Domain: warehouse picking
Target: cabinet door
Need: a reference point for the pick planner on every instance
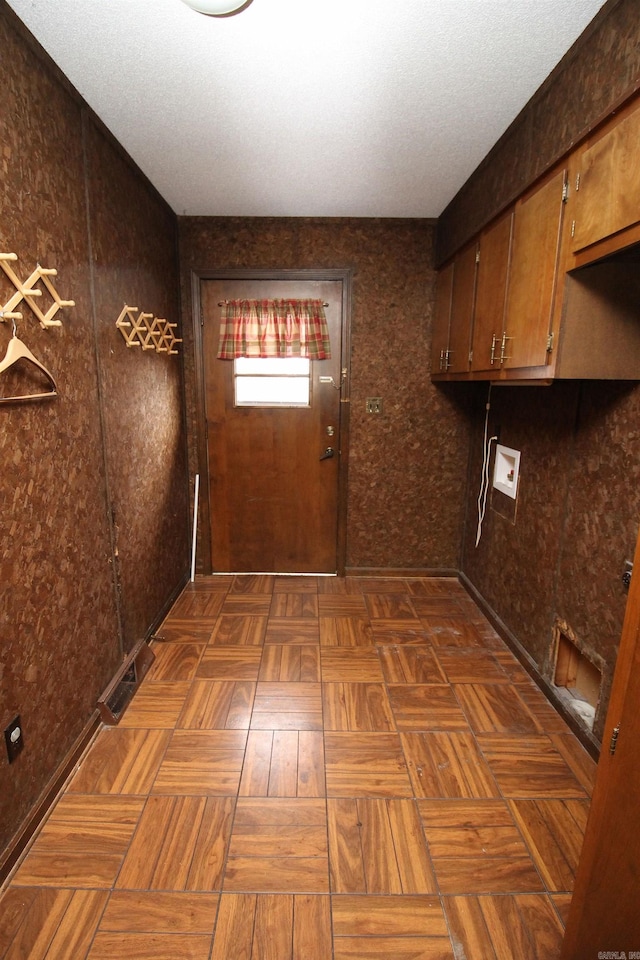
(491, 291)
(608, 196)
(441, 319)
(532, 273)
(463, 294)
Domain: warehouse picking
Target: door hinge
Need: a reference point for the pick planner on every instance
(550, 343)
(577, 182)
(565, 191)
(614, 740)
(478, 256)
(573, 228)
(470, 356)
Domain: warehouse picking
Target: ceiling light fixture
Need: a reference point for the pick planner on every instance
(218, 8)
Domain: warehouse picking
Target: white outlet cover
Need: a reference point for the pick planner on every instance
(506, 470)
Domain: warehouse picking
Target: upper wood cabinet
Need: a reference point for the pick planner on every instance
(451, 336)
(552, 288)
(532, 273)
(494, 251)
(607, 184)
(464, 285)
(441, 320)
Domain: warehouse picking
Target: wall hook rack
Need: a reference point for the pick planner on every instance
(144, 330)
(29, 292)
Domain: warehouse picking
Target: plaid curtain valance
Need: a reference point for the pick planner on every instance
(273, 328)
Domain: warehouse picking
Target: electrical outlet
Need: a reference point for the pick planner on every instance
(628, 570)
(14, 739)
(374, 405)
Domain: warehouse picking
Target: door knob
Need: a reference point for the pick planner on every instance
(329, 452)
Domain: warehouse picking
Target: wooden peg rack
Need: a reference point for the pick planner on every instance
(144, 330)
(28, 292)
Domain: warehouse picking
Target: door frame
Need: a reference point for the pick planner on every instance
(204, 513)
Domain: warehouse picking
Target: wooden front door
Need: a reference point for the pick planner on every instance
(273, 470)
(604, 920)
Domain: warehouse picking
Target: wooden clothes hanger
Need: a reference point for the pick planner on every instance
(17, 350)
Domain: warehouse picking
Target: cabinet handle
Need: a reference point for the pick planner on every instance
(494, 343)
(503, 347)
(447, 359)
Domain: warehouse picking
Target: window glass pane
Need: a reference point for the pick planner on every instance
(272, 391)
(273, 366)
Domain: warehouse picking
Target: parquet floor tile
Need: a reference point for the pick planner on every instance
(156, 705)
(504, 927)
(287, 706)
(239, 630)
(354, 665)
(247, 605)
(357, 706)
(83, 843)
(230, 663)
(410, 664)
(314, 769)
(496, 708)
(187, 630)
(202, 762)
(151, 911)
(447, 765)
(284, 763)
(391, 606)
(122, 761)
(377, 846)
(197, 604)
(529, 767)
(217, 705)
(342, 605)
(294, 605)
(365, 765)
(295, 630)
(345, 632)
(470, 666)
(452, 632)
(299, 664)
(426, 707)
(273, 927)
(175, 661)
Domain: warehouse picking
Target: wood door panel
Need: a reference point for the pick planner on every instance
(464, 286)
(491, 292)
(273, 502)
(604, 911)
(441, 319)
(609, 194)
(536, 238)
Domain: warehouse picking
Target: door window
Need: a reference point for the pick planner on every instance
(272, 382)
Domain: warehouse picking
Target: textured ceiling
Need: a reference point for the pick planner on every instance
(364, 108)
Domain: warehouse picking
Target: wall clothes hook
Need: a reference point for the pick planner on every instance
(147, 331)
(29, 292)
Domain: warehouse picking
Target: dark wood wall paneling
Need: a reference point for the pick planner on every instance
(407, 469)
(114, 438)
(579, 505)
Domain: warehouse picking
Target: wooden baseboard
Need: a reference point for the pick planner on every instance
(586, 738)
(18, 844)
(407, 572)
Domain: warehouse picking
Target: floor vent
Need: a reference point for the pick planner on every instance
(116, 698)
(577, 677)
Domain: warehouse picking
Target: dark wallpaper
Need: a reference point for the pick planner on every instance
(111, 444)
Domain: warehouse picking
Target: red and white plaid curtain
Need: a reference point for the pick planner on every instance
(274, 328)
